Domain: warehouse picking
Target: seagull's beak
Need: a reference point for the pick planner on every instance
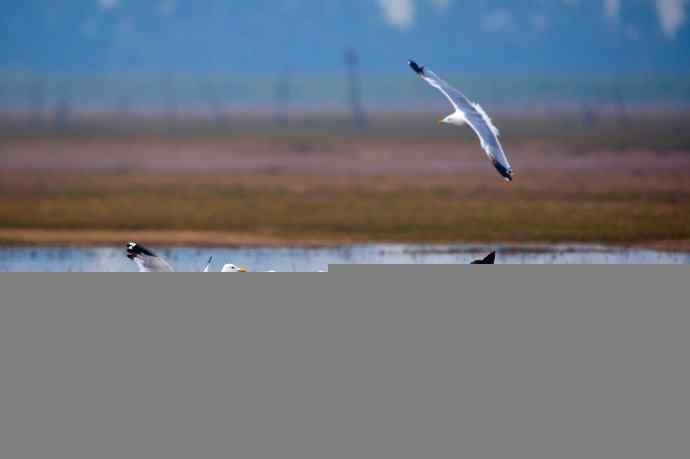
(243, 270)
(440, 121)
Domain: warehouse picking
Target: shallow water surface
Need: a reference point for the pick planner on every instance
(112, 259)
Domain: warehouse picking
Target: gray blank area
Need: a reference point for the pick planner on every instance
(413, 362)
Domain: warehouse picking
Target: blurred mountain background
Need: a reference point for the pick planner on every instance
(104, 55)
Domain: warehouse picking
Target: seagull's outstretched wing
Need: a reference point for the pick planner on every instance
(146, 260)
(208, 265)
(475, 116)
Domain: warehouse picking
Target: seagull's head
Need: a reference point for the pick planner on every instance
(452, 119)
(230, 268)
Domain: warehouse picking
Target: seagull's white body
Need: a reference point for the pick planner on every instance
(467, 112)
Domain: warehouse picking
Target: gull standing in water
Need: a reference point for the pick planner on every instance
(467, 112)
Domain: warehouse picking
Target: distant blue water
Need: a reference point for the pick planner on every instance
(112, 259)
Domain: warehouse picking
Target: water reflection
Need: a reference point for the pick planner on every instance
(112, 259)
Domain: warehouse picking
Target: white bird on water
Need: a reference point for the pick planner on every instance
(149, 262)
(467, 112)
(230, 268)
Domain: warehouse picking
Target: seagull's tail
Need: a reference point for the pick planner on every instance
(417, 69)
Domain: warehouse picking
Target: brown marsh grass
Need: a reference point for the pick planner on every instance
(312, 186)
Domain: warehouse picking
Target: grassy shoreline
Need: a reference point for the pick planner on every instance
(314, 191)
(404, 210)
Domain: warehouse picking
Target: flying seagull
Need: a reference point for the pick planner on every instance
(489, 260)
(467, 112)
(146, 260)
(149, 262)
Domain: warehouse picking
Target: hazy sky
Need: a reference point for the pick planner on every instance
(540, 36)
(672, 14)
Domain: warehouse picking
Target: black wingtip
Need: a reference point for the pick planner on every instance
(417, 69)
(134, 249)
(505, 173)
(489, 260)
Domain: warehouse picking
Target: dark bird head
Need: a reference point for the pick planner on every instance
(417, 69)
(135, 250)
(489, 260)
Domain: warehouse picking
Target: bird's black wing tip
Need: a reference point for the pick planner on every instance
(134, 249)
(506, 173)
(489, 260)
(419, 70)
